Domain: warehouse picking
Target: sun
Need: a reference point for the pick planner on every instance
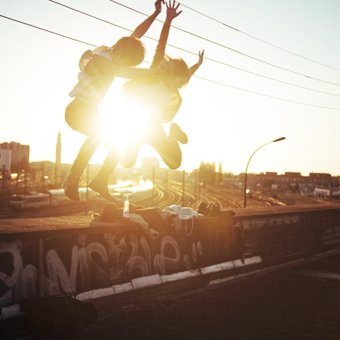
(123, 121)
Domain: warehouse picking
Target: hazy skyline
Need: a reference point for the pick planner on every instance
(252, 92)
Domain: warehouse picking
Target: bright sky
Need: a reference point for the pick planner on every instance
(225, 116)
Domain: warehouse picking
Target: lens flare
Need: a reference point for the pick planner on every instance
(123, 121)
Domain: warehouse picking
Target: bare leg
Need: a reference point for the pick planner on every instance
(100, 182)
(167, 147)
(85, 153)
(177, 133)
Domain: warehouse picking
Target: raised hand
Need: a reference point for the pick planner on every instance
(194, 67)
(158, 6)
(200, 57)
(171, 11)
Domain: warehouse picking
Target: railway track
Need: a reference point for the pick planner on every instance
(161, 196)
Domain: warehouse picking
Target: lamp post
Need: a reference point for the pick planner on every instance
(246, 172)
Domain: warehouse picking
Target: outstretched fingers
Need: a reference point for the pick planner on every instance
(201, 56)
(172, 7)
(174, 3)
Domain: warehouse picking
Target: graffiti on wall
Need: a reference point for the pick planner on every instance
(98, 258)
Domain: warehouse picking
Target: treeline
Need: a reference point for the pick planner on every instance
(208, 173)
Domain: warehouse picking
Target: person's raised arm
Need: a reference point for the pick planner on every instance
(171, 13)
(194, 67)
(141, 29)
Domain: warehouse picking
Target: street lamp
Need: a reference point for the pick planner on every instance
(246, 173)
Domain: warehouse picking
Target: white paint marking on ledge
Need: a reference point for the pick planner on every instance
(97, 293)
(122, 288)
(94, 294)
(146, 281)
(231, 265)
(218, 267)
(156, 279)
(251, 260)
(181, 276)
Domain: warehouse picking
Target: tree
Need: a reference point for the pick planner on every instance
(207, 173)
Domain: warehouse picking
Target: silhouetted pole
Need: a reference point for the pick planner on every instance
(166, 180)
(3, 179)
(57, 161)
(196, 188)
(153, 186)
(183, 187)
(246, 172)
(43, 175)
(87, 189)
(25, 182)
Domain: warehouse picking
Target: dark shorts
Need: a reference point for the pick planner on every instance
(83, 116)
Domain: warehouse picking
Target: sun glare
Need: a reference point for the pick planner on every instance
(123, 121)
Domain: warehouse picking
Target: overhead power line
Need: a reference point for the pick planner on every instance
(201, 78)
(46, 30)
(268, 95)
(233, 49)
(190, 52)
(261, 40)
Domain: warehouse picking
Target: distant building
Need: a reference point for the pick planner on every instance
(268, 179)
(293, 177)
(5, 160)
(293, 182)
(20, 155)
(320, 178)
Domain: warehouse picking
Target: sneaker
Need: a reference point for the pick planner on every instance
(71, 189)
(103, 191)
(178, 134)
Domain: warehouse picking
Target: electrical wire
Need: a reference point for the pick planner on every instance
(267, 95)
(46, 30)
(261, 40)
(201, 78)
(233, 49)
(95, 17)
(190, 52)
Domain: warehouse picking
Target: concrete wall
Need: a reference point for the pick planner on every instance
(58, 262)
(73, 261)
(281, 236)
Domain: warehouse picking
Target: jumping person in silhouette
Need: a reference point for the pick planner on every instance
(159, 93)
(97, 71)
